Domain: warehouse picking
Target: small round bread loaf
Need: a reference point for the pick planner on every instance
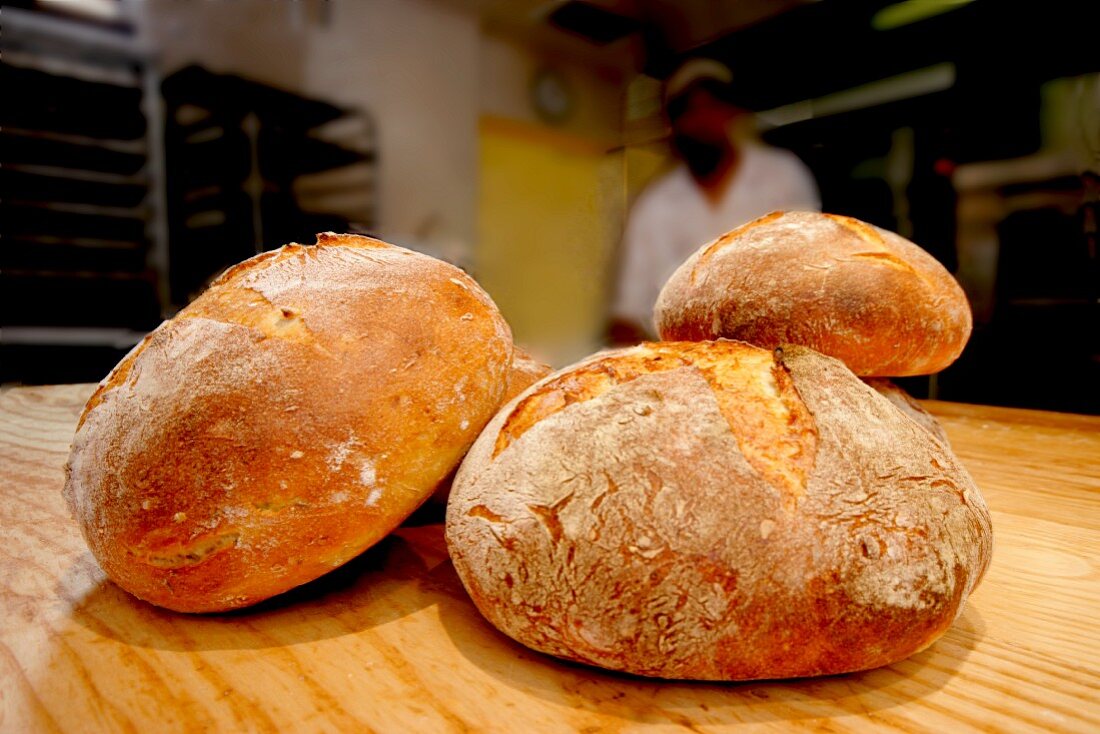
(285, 421)
(868, 297)
(712, 510)
(904, 402)
(526, 371)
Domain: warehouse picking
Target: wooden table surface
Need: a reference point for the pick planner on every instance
(391, 642)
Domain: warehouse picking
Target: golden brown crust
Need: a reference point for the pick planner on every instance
(754, 395)
(526, 371)
(655, 546)
(285, 421)
(866, 296)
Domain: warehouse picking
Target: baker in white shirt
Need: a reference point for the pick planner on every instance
(725, 178)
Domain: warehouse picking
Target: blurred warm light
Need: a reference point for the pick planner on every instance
(911, 11)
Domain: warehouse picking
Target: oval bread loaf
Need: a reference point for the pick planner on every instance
(285, 421)
(715, 511)
(868, 297)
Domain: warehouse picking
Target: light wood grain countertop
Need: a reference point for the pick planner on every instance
(391, 643)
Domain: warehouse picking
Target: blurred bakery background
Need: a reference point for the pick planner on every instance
(148, 145)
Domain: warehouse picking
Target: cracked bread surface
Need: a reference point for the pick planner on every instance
(627, 522)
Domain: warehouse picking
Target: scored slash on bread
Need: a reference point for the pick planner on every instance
(754, 395)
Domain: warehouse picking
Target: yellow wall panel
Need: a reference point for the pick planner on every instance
(550, 214)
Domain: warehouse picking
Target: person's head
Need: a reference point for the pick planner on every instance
(701, 109)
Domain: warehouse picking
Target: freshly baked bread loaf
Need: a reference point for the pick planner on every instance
(904, 402)
(526, 371)
(716, 511)
(285, 421)
(866, 296)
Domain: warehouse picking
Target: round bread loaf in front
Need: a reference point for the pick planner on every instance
(715, 511)
(285, 421)
(868, 297)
